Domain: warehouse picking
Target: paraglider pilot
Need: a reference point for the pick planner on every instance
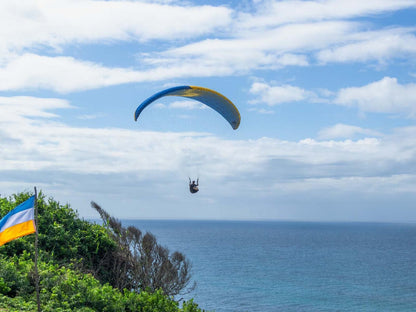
(193, 187)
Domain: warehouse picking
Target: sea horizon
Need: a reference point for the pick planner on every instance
(259, 220)
(249, 266)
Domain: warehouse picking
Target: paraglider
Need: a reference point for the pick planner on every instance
(211, 98)
(193, 187)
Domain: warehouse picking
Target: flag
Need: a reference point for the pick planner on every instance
(18, 222)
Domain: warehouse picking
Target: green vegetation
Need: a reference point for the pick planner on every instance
(89, 267)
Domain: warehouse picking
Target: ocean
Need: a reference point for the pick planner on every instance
(295, 266)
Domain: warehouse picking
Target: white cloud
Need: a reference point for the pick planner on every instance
(55, 23)
(373, 45)
(272, 13)
(187, 105)
(274, 95)
(45, 145)
(36, 144)
(40, 144)
(42, 72)
(231, 52)
(31, 71)
(383, 96)
(267, 49)
(19, 108)
(342, 131)
(291, 33)
(286, 45)
(91, 116)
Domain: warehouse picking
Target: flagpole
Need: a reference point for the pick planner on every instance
(36, 251)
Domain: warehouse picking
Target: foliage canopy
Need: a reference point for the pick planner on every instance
(88, 267)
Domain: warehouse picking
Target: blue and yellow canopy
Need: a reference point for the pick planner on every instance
(211, 98)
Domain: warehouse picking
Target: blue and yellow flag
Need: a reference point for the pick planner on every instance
(18, 222)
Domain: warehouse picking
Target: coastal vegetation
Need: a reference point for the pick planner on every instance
(85, 266)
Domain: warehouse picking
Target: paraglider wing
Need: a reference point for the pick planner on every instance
(211, 98)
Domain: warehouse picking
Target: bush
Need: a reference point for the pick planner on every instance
(76, 266)
(15, 277)
(16, 304)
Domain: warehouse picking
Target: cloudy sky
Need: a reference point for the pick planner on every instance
(326, 91)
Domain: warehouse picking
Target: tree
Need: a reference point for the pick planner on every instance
(140, 263)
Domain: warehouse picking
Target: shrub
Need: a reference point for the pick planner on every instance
(78, 266)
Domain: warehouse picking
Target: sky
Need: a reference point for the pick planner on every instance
(326, 91)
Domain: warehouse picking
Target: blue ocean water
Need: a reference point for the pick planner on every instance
(295, 266)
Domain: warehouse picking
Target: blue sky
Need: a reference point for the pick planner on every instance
(326, 91)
